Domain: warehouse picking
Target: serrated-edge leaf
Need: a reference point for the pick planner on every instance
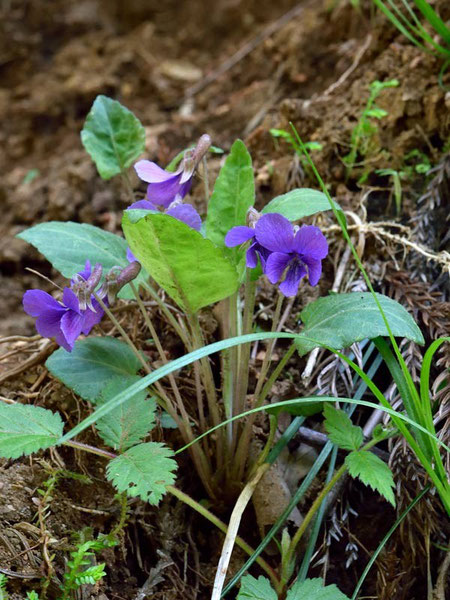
(129, 423)
(341, 430)
(256, 589)
(340, 320)
(233, 195)
(112, 146)
(299, 203)
(372, 471)
(190, 268)
(25, 429)
(92, 363)
(143, 471)
(313, 589)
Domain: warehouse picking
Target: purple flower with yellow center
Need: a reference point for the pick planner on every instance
(294, 252)
(164, 186)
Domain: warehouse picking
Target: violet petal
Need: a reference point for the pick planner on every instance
(310, 241)
(130, 256)
(48, 322)
(186, 214)
(92, 318)
(289, 287)
(143, 205)
(70, 300)
(251, 257)
(314, 269)
(150, 172)
(37, 301)
(275, 232)
(164, 193)
(275, 266)
(239, 235)
(71, 326)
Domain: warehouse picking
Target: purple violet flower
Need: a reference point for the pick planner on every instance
(185, 213)
(241, 234)
(293, 252)
(64, 321)
(164, 185)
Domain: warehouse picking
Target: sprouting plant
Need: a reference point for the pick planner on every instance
(290, 139)
(414, 162)
(402, 16)
(80, 569)
(365, 129)
(198, 261)
(32, 595)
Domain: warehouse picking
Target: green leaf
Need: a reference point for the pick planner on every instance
(372, 471)
(341, 430)
(313, 589)
(68, 245)
(233, 195)
(126, 425)
(144, 471)
(299, 203)
(92, 364)
(340, 320)
(112, 136)
(25, 429)
(256, 589)
(193, 271)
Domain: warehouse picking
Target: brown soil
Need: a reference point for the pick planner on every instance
(314, 71)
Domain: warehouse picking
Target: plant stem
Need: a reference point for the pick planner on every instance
(208, 383)
(123, 515)
(198, 456)
(221, 525)
(306, 521)
(243, 365)
(177, 327)
(244, 441)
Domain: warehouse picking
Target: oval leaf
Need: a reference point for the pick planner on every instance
(188, 267)
(299, 203)
(340, 320)
(233, 195)
(143, 471)
(92, 364)
(67, 246)
(25, 429)
(113, 136)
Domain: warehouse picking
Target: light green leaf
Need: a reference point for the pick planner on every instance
(127, 424)
(187, 266)
(68, 245)
(256, 589)
(113, 136)
(341, 430)
(25, 429)
(233, 195)
(372, 471)
(313, 589)
(299, 203)
(340, 320)
(144, 471)
(92, 364)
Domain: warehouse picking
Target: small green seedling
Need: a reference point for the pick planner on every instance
(365, 129)
(285, 135)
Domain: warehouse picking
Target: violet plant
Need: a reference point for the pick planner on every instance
(169, 251)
